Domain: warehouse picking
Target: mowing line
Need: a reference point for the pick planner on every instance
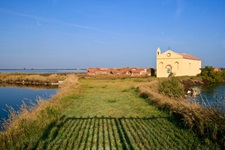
(147, 134)
(171, 139)
(80, 132)
(81, 122)
(103, 133)
(113, 126)
(57, 142)
(71, 134)
(98, 133)
(63, 131)
(88, 132)
(131, 133)
(93, 134)
(83, 132)
(162, 131)
(109, 139)
(122, 132)
(140, 133)
(150, 132)
(156, 132)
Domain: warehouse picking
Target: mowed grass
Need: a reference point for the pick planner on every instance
(115, 98)
(108, 114)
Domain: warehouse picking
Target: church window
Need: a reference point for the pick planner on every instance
(177, 65)
(161, 65)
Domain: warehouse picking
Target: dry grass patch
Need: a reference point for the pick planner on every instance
(23, 77)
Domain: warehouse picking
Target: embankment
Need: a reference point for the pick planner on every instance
(32, 79)
(208, 123)
(24, 130)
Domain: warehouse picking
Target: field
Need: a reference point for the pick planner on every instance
(109, 114)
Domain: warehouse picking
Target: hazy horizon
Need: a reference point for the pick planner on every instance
(82, 34)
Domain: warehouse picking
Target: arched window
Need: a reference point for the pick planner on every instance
(176, 65)
(161, 65)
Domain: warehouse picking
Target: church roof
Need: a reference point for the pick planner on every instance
(187, 56)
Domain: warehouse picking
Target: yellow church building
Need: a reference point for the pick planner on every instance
(171, 63)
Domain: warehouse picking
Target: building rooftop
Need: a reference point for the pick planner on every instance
(187, 56)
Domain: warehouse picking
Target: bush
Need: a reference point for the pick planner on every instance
(207, 123)
(210, 76)
(171, 88)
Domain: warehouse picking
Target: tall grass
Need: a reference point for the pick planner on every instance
(25, 128)
(171, 88)
(208, 123)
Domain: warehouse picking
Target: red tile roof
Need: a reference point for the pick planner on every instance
(187, 56)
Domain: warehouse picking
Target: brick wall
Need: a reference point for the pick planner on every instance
(121, 71)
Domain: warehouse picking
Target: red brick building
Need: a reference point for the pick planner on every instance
(121, 71)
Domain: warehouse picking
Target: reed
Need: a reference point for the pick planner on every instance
(207, 122)
(27, 126)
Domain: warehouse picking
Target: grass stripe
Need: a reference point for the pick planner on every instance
(75, 134)
(108, 134)
(88, 133)
(114, 133)
(84, 129)
(93, 134)
(132, 134)
(148, 134)
(62, 134)
(142, 135)
(77, 139)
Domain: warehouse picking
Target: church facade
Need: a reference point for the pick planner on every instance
(171, 63)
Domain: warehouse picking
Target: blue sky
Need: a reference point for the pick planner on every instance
(108, 33)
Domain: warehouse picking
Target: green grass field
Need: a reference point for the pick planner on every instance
(108, 114)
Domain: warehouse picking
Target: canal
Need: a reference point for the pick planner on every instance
(14, 97)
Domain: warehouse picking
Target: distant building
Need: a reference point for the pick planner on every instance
(121, 71)
(217, 70)
(171, 63)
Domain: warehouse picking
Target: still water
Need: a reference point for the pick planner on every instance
(15, 96)
(43, 70)
(212, 96)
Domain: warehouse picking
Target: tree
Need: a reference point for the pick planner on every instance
(210, 76)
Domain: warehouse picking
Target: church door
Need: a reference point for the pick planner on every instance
(169, 70)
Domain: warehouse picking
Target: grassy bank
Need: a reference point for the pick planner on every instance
(207, 123)
(23, 131)
(25, 78)
(102, 113)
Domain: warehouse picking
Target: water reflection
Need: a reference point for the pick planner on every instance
(211, 96)
(31, 86)
(15, 95)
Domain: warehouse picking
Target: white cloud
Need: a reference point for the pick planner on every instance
(55, 21)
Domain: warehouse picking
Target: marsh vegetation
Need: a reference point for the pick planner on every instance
(109, 113)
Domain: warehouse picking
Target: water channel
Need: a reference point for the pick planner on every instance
(14, 97)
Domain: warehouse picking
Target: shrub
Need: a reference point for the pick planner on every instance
(171, 88)
(210, 76)
(207, 123)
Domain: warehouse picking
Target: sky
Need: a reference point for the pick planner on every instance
(109, 33)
